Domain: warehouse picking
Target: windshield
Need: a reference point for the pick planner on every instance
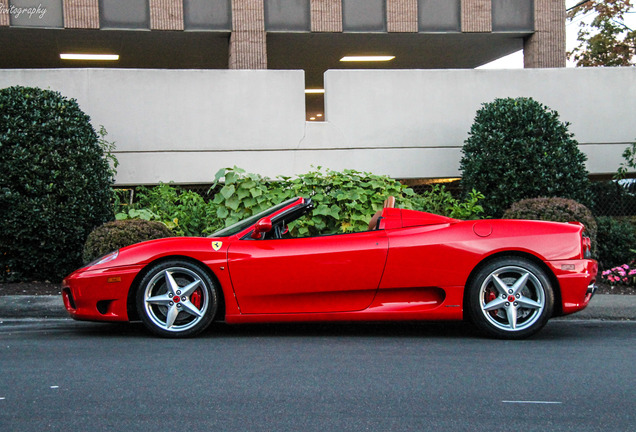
(241, 225)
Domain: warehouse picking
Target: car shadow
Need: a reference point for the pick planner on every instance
(349, 329)
(339, 329)
(554, 330)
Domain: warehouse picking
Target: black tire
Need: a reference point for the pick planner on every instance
(177, 299)
(510, 298)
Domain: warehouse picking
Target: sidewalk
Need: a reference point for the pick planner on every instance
(606, 307)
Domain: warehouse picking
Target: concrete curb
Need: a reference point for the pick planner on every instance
(605, 307)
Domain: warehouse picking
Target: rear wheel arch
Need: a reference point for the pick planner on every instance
(556, 288)
(135, 285)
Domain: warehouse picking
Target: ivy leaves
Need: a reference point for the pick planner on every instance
(343, 201)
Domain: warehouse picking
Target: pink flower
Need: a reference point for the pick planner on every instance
(625, 266)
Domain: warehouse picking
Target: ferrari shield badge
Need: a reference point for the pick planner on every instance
(216, 245)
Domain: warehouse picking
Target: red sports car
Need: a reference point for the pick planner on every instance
(508, 277)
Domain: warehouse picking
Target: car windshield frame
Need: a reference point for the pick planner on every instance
(245, 223)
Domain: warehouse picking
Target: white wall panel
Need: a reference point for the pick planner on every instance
(183, 125)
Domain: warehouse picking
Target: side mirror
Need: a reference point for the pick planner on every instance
(262, 226)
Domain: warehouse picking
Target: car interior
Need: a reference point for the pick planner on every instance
(280, 223)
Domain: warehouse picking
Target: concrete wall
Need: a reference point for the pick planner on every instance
(183, 125)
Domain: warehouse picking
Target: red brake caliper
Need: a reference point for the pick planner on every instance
(195, 298)
(490, 297)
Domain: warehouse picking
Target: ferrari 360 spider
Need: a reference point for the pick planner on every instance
(507, 277)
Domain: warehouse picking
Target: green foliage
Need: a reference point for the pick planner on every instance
(343, 201)
(605, 40)
(54, 184)
(245, 194)
(185, 212)
(440, 201)
(518, 148)
(118, 234)
(629, 164)
(612, 199)
(556, 210)
(616, 240)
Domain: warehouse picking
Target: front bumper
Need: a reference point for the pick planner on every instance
(98, 294)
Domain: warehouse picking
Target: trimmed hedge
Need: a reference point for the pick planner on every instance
(517, 149)
(616, 241)
(55, 184)
(556, 210)
(118, 234)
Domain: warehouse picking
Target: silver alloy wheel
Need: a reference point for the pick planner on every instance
(176, 299)
(512, 298)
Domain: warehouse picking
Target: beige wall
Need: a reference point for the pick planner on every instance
(183, 125)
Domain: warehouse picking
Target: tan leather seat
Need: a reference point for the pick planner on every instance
(388, 203)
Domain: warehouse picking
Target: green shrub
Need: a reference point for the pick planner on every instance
(245, 194)
(440, 201)
(629, 154)
(118, 234)
(517, 149)
(612, 199)
(346, 200)
(54, 184)
(343, 201)
(185, 212)
(616, 241)
(556, 210)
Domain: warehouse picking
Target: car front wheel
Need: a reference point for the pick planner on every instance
(510, 298)
(177, 299)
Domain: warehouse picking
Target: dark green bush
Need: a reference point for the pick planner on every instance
(118, 234)
(612, 199)
(616, 241)
(54, 184)
(517, 149)
(556, 210)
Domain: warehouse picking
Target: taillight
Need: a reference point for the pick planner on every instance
(586, 244)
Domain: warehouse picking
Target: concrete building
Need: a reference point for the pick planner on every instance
(309, 35)
(176, 114)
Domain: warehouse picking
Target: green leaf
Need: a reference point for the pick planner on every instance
(233, 203)
(227, 191)
(222, 212)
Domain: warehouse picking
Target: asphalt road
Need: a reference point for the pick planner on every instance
(60, 375)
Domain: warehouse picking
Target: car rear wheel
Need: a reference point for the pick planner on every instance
(177, 299)
(510, 298)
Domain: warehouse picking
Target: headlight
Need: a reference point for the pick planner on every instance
(106, 258)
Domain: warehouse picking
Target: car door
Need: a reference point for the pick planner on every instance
(335, 273)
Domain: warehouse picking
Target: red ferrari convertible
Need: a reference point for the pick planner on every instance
(508, 277)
